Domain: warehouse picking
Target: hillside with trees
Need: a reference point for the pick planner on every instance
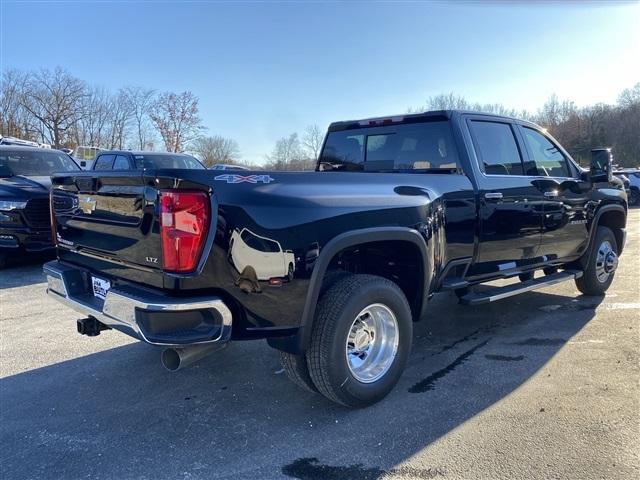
(578, 129)
(56, 108)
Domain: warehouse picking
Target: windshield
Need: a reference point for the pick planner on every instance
(167, 161)
(420, 147)
(34, 163)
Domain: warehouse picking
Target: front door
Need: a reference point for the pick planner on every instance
(564, 223)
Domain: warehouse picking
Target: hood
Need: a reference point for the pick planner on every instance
(20, 186)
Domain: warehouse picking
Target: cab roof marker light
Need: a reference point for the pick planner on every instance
(381, 121)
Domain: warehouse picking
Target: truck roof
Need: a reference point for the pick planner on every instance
(28, 148)
(141, 152)
(411, 118)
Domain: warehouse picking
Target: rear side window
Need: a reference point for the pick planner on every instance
(343, 151)
(104, 162)
(427, 146)
(549, 161)
(496, 146)
(121, 163)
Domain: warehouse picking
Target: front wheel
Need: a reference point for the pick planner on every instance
(361, 340)
(601, 264)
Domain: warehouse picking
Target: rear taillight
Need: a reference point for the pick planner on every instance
(184, 221)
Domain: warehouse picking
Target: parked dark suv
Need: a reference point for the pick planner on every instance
(24, 197)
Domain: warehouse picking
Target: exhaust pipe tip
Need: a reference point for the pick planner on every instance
(174, 359)
(170, 359)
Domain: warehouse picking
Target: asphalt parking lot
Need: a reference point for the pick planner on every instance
(544, 385)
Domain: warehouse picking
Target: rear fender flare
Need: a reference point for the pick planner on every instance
(350, 239)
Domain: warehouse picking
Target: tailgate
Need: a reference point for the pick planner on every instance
(110, 215)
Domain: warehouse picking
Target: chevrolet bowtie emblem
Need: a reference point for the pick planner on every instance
(86, 204)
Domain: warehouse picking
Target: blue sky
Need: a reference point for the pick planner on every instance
(265, 69)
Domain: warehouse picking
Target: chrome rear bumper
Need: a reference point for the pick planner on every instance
(153, 318)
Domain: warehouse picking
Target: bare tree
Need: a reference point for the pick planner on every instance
(141, 99)
(286, 151)
(15, 121)
(120, 114)
(624, 127)
(288, 154)
(217, 149)
(446, 101)
(176, 118)
(451, 101)
(55, 99)
(92, 126)
(312, 139)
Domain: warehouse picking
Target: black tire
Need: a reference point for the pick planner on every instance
(524, 277)
(336, 311)
(634, 197)
(330, 278)
(290, 272)
(295, 366)
(588, 283)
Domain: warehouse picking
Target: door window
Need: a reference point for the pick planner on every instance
(121, 163)
(548, 159)
(104, 162)
(496, 146)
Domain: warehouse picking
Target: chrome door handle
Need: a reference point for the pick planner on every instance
(493, 196)
(551, 194)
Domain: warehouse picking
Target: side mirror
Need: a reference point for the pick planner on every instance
(601, 165)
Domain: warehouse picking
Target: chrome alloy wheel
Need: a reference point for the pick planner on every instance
(372, 343)
(606, 261)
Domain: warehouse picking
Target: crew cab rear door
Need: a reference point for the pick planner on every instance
(510, 203)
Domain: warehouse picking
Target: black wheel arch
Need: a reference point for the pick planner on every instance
(300, 342)
(613, 216)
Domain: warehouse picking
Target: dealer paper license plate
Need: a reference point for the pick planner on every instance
(100, 287)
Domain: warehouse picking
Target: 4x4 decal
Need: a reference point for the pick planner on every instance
(230, 178)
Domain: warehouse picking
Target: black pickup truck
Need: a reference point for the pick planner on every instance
(333, 266)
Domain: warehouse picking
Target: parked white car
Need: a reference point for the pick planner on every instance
(263, 254)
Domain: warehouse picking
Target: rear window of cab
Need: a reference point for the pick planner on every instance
(419, 147)
(108, 161)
